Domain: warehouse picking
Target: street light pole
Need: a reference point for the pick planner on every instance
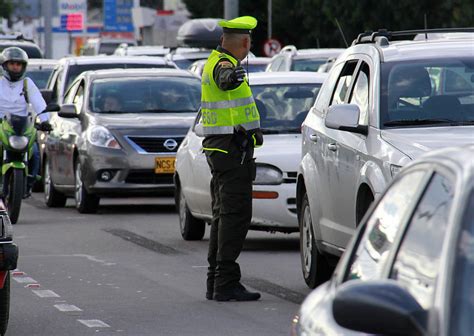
(48, 30)
(270, 33)
(231, 9)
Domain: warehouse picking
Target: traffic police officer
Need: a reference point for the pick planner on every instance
(231, 126)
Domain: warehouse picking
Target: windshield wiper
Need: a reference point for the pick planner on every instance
(164, 111)
(403, 122)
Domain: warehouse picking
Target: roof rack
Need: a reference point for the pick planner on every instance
(383, 36)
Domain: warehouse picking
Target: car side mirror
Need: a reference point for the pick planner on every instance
(47, 95)
(68, 111)
(345, 117)
(52, 107)
(378, 307)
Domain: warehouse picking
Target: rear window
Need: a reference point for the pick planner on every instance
(307, 64)
(76, 70)
(31, 51)
(40, 76)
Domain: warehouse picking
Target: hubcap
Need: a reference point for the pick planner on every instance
(182, 210)
(78, 191)
(47, 181)
(307, 241)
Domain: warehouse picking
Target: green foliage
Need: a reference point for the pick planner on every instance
(312, 23)
(6, 8)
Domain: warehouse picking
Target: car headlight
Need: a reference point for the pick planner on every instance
(101, 137)
(267, 174)
(394, 169)
(18, 142)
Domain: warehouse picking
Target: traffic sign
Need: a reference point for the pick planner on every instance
(271, 47)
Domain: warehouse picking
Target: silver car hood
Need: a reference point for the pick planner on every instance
(416, 141)
(144, 120)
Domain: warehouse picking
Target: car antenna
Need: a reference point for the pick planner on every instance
(342, 33)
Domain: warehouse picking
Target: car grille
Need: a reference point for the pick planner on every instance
(148, 177)
(155, 144)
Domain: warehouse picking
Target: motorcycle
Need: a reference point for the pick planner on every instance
(17, 138)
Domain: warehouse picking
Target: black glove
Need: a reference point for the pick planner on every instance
(238, 74)
(45, 126)
(257, 137)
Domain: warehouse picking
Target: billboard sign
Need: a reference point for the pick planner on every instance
(118, 15)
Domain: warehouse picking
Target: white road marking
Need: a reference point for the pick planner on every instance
(45, 293)
(24, 280)
(94, 323)
(64, 307)
(87, 256)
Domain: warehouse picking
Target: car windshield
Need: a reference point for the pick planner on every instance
(145, 95)
(40, 76)
(307, 64)
(463, 276)
(76, 70)
(283, 107)
(436, 92)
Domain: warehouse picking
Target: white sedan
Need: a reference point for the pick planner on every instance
(283, 100)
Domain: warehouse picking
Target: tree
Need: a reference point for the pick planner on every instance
(6, 8)
(312, 23)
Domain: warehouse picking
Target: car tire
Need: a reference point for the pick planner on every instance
(315, 267)
(85, 202)
(191, 227)
(5, 305)
(52, 197)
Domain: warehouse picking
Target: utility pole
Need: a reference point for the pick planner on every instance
(48, 30)
(270, 33)
(231, 9)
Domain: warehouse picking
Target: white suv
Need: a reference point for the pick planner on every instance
(383, 105)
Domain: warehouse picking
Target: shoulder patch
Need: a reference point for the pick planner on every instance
(226, 64)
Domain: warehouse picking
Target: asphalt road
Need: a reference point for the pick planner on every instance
(127, 271)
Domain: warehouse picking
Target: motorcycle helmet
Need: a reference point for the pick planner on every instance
(14, 54)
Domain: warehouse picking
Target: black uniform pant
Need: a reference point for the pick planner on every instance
(231, 191)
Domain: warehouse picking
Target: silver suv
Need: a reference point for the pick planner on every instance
(383, 105)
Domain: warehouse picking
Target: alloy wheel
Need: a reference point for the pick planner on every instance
(78, 189)
(307, 240)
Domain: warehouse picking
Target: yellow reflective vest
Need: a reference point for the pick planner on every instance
(222, 111)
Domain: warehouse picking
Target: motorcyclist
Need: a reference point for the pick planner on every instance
(20, 96)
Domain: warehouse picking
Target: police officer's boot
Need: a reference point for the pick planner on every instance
(236, 293)
(210, 283)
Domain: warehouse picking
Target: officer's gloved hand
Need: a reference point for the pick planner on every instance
(257, 137)
(238, 74)
(45, 126)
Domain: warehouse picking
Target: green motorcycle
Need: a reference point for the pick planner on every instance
(17, 138)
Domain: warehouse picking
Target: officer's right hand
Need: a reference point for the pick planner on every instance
(238, 74)
(45, 126)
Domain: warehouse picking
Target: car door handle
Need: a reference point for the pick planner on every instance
(314, 137)
(332, 147)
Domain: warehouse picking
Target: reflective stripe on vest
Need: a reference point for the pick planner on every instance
(223, 111)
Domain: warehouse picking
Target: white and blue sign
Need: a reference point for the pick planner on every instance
(118, 16)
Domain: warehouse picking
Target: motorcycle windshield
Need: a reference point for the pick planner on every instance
(18, 123)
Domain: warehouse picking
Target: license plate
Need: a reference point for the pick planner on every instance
(164, 165)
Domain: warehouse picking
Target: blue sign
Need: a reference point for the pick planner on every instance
(118, 16)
